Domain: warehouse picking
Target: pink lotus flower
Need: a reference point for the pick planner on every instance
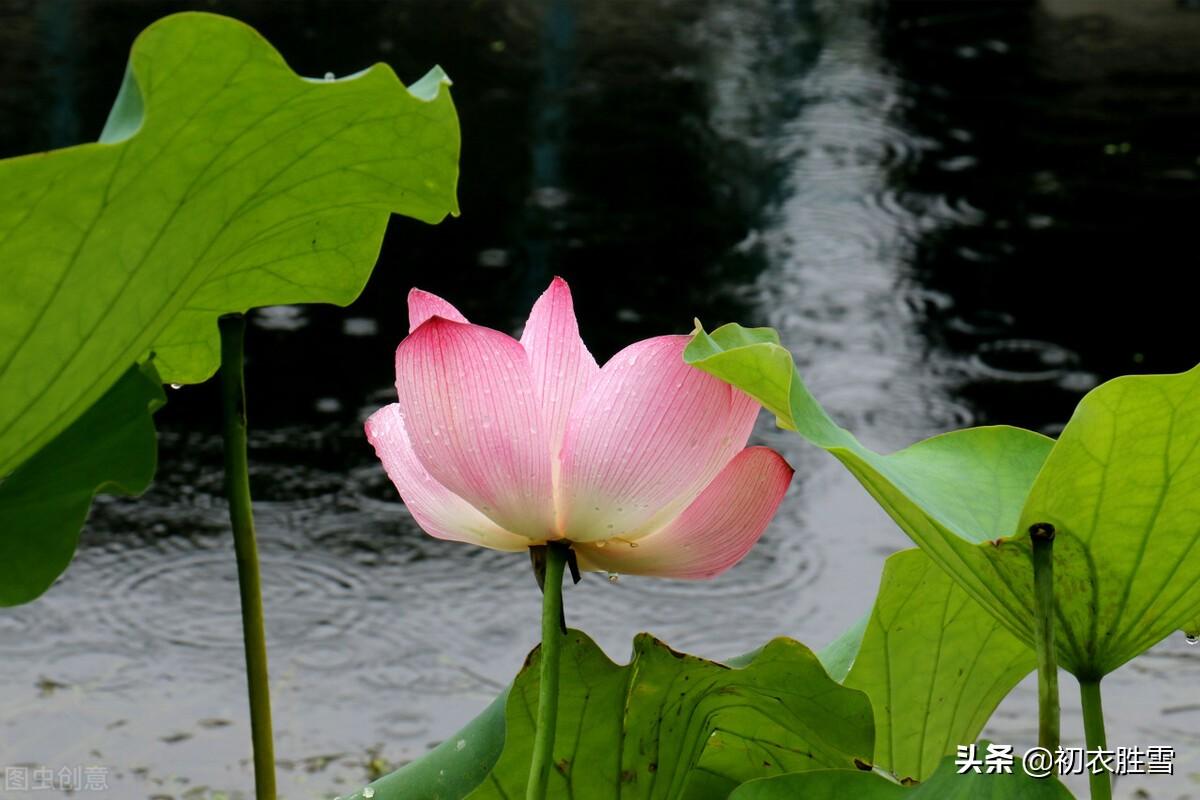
(641, 464)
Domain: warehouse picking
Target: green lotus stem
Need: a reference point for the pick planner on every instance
(1093, 730)
(1041, 536)
(552, 636)
(241, 516)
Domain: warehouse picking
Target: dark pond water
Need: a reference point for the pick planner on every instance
(955, 213)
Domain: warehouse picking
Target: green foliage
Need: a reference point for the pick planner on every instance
(1122, 486)
(1122, 489)
(110, 448)
(946, 784)
(935, 665)
(452, 769)
(933, 662)
(222, 181)
(675, 726)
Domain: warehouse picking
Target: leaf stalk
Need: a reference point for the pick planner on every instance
(1093, 730)
(241, 517)
(1041, 537)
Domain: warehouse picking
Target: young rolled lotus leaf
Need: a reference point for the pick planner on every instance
(1121, 486)
(222, 181)
(669, 725)
(944, 784)
(934, 663)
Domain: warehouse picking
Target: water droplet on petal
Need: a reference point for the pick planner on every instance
(633, 544)
(329, 77)
(613, 577)
(601, 544)
(368, 792)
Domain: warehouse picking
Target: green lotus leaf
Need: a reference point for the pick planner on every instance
(669, 725)
(935, 665)
(944, 784)
(222, 181)
(1122, 486)
(455, 767)
(1122, 489)
(838, 656)
(110, 448)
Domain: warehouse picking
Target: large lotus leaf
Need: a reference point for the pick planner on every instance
(669, 725)
(222, 181)
(945, 784)
(110, 448)
(934, 663)
(1122, 487)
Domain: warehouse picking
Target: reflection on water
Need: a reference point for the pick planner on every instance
(909, 194)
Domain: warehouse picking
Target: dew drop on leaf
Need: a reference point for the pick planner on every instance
(368, 792)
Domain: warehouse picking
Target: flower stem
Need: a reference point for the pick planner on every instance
(1041, 536)
(552, 636)
(1093, 730)
(241, 516)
